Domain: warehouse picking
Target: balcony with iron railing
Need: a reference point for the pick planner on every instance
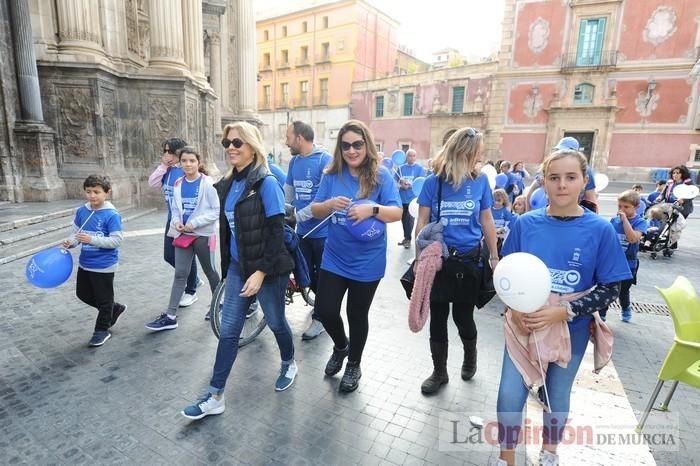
(266, 67)
(321, 100)
(301, 102)
(323, 58)
(283, 102)
(574, 61)
(303, 61)
(264, 105)
(283, 65)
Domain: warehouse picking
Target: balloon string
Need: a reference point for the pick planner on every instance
(85, 222)
(321, 223)
(542, 374)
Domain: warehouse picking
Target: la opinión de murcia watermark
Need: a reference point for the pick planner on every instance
(464, 431)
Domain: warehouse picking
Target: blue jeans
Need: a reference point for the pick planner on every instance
(512, 392)
(271, 299)
(312, 250)
(169, 257)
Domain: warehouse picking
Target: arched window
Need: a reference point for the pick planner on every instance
(583, 93)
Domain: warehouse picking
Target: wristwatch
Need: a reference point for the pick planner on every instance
(375, 211)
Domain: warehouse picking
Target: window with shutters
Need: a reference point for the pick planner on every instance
(583, 93)
(590, 42)
(458, 99)
(379, 106)
(408, 104)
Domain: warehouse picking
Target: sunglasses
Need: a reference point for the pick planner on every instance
(237, 143)
(169, 151)
(357, 145)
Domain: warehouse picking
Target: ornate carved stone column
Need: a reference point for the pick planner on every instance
(215, 62)
(194, 38)
(35, 142)
(247, 69)
(79, 28)
(167, 48)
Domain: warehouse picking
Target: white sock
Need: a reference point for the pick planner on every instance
(170, 316)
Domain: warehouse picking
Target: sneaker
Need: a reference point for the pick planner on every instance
(99, 338)
(288, 372)
(207, 316)
(548, 459)
(626, 314)
(314, 330)
(497, 462)
(407, 243)
(188, 299)
(351, 378)
(162, 322)
(402, 243)
(118, 310)
(205, 406)
(335, 363)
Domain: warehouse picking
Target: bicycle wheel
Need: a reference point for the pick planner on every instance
(308, 295)
(254, 322)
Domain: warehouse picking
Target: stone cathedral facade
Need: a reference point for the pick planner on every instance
(96, 86)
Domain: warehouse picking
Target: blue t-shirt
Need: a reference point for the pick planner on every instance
(272, 199)
(168, 182)
(579, 253)
(409, 173)
(460, 210)
(305, 177)
(190, 197)
(591, 181)
(343, 254)
(630, 249)
(519, 176)
(642, 207)
(278, 173)
(652, 197)
(502, 217)
(101, 224)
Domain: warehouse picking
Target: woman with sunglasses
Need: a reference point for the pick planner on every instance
(254, 260)
(458, 197)
(349, 265)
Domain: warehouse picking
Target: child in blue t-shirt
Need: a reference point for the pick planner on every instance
(98, 229)
(629, 226)
(502, 216)
(582, 253)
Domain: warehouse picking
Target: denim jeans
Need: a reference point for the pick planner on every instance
(169, 257)
(512, 392)
(312, 250)
(271, 299)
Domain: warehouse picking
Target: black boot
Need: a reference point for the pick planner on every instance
(438, 350)
(351, 377)
(469, 364)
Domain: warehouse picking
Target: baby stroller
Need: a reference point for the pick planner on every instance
(666, 222)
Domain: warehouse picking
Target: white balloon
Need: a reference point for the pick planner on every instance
(686, 191)
(490, 173)
(601, 181)
(522, 281)
(413, 208)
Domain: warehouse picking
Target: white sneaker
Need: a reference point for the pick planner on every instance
(188, 299)
(200, 282)
(314, 330)
(549, 459)
(205, 406)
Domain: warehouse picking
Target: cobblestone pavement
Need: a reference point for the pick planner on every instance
(65, 403)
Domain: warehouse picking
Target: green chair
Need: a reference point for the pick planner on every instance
(682, 362)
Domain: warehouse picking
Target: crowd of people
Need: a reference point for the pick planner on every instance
(463, 219)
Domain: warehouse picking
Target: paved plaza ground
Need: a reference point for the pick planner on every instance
(65, 403)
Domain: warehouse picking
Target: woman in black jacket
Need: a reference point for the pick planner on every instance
(254, 260)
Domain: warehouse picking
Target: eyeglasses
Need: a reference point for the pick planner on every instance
(357, 145)
(169, 151)
(237, 143)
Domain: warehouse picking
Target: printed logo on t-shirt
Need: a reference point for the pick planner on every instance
(231, 220)
(304, 189)
(459, 212)
(564, 281)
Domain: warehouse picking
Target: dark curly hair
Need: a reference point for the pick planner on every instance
(93, 181)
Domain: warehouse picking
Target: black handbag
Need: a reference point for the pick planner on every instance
(408, 279)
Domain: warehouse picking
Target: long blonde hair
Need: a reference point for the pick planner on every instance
(456, 159)
(251, 136)
(368, 172)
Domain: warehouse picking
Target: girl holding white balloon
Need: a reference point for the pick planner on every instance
(460, 198)
(582, 253)
(351, 264)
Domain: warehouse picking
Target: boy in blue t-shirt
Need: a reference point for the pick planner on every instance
(630, 227)
(98, 229)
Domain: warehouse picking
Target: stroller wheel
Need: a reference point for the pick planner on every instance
(668, 252)
(653, 255)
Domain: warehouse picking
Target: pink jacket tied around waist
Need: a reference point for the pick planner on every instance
(429, 263)
(554, 342)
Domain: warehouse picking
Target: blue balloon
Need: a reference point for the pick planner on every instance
(399, 157)
(369, 229)
(49, 268)
(388, 163)
(501, 180)
(418, 185)
(538, 199)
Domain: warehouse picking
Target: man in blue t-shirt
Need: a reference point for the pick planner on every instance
(407, 173)
(164, 177)
(303, 179)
